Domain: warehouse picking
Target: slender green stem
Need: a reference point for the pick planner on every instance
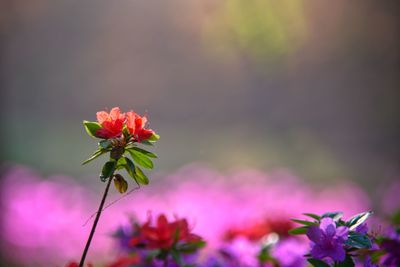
(103, 200)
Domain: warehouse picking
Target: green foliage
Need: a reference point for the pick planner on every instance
(395, 218)
(130, 167)
(95, 155)
(142, 151)
(140, 177)
(307, 223)
(317, 263)
(120, 183)
(147, 143)
(358, 240)
(358, 219)
(105, 143)
(334, 215)
(108, 170)
(154, 137)
(298, 231)
(312, 215)
(91, 127)
(141, 159)
(348, 262)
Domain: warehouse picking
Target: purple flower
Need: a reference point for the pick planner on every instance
(290, 253)
(368, 262)
(392, 246)
(327, 240)
(362, 228)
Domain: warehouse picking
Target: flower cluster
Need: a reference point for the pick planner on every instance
(112, 125)
(166, 242)
(335, 242)
(121, 133)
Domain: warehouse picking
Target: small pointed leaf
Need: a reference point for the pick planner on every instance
(130, 167)
(312, 215)
(105, 143)
(334, 215)
(91, 127)
(358, 240)
(95, 155)
(348, 262)
(141, 159)
(307, 223)
(317, 263)
(358, 219)
(120, 184)
(107, 170)
(154, 137)
(141, 178)
(298, 231)
(144, 152)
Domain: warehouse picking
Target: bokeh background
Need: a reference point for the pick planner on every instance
(310, 87)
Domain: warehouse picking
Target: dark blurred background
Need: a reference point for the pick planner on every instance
(312, 86)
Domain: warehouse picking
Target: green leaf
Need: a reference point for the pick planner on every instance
(130, 167)
(126, 132)
(91, 127)
(147, 143)
(142, 151)
(395, 218)
(141, 159)
(298, 231)
(312, 215)
(317, 263)
(308, 223)
(358, 219)
(348, 262)
(95, 155)
(177, 257)
(154, 137)
(334, 215)
(120, 183)
(358, 240)
(191, 247)
(105, 143)
(107, 170)
(141, 178)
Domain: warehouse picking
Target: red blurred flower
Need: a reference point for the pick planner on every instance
(165, 234)
(126, 261)
(136, 126)
(256, 231)
(75, 264)
(112, 123)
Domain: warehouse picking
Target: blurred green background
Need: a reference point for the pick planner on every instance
(312, 86)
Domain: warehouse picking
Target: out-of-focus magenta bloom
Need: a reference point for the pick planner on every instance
(37, 210)
(136, 126)
(242, 251)
(328, 240)
(112, 123)
(290, 252)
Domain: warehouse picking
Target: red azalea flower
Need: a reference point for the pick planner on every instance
(256, 231)
(75, 264)
(112, 123)
(136, 126)
(126, 261)
(165, 234)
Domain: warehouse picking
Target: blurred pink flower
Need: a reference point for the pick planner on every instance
(43, 218)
